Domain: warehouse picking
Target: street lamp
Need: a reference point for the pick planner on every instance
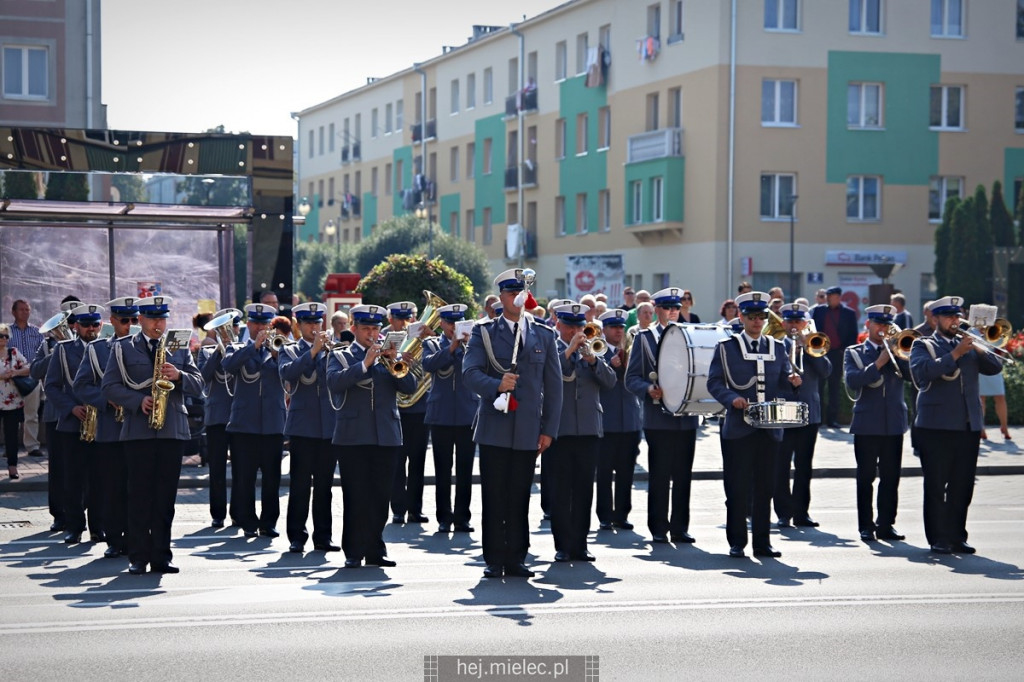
(423, 212)
(330, 229)
(304, 207)
(792, 276)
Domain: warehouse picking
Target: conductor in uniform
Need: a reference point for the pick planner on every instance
(749, 367)
(946, 366)
(153, 457)
(512, 363)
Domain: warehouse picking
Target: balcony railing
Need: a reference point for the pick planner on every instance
(417, 130)
(345, 151)
(357, 154)
(529, 176)
(657, 144)
(525, 100)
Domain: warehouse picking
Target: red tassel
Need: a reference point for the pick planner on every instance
(531, 302)
(512, 403)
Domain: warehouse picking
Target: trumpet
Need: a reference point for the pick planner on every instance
(594, 345)
(275, 342)
(990, 338)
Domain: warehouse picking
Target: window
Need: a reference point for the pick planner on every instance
(358, 133)
(866, 16)
(946, 110)
(453, 224)
(582, 224)
(604, 210)
(862, 198)
(777, 191)
(652, 112)
(604, 125)
(456, 97)
(470, 225)
(399, 114)
(387, 179)
(26, 72)
(940, 190)
(582, 133)
(637, 192)
(531, 69)
(561, 61)
(373, 122)
(559, 216)
(513, 76)
(312, 143)
(330, 191)
(488, 85)
(511, 213)
(471, 91)
(330, 138)
(658, 199)
(654, 20)
(1018, 118)
(947, 18)
(470, 160)
(560, 138)
(778, 102)
(389, 109)
(453, 163)
(320, 140)
(373, 181)
(675, 108)
(781, 15)
(864, 105)
(488, 143)
(488, 236)
(675, 21)
(582, 41)
(399, 176)
(604, 36)
(1020, 19)
(1018, 186)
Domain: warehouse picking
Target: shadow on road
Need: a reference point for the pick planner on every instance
(509, 598)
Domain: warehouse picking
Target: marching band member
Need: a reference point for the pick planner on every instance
(621, 442)
(671, 440)
(220, 388)
(309, 427)
(745, 368)
(407, 490)
(511, 362)
(153, 457)
(945, 367)
(798, 442)
(879, 422)
(451, 407)
(367, 435)
(109, 452)
(82, 482)
(256, 424)
(574, 453)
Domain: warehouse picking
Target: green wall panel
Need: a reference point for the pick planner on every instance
(1013, 167)
(403, 154)
(450, 203)
(369, 208)
(673, 171)
(489, 189)
(905, 151)
(586, 174)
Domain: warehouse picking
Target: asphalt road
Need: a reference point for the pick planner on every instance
(831, 607)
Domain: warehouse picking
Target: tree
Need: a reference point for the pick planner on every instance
(1019, 216)
(67, 186)
(966, 276)
(130, 187)
(404, 278)
(981, 255)
(943, 240)
(999, 218)
(313, 262)
(18, 184)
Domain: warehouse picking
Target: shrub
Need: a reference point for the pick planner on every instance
(404, 278)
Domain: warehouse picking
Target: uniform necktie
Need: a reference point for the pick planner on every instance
(152, 348)
(753, 347)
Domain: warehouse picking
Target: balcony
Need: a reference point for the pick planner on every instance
(345, 154)
(357, 154)
(417, 131)
(521, 101)
(529, 176)
(657, 144)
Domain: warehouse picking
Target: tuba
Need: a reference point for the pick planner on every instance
(412, 350)
(161, 387)
(222, 327)
(58, 325)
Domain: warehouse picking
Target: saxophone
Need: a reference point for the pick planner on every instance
(161, 387)
(87, 429)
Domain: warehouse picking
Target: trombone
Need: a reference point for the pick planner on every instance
(990, 338)
(898, 343)
(806, 340)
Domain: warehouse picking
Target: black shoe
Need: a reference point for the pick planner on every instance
(784, 523)
(806, 522)
(940, 548)
(604, 526)
(736, 552)
(269, 532)
(217, 523)
(112, 553)
(683, 538)
(326, 547)
(165, 568)
(962, 548)
(36, 453)
(251, 533)
(464, 528)
(867, 535)
(546, 517)
(888, 533)
(835, 425)
(57, 527)
(494, 571)
(659, 539)
(444, 528)
(353, 563)
(72, 538)
(417, 518)
(519, 571)
(768, 551)
(136, 569)
(586, 556)
(97, 537)
(398, 518)
(561, 557)
(623, 525)
(295, 548)
(383, 562)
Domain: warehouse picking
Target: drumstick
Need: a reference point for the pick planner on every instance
(653, 376)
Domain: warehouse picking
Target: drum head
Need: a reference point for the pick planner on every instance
(674, 364)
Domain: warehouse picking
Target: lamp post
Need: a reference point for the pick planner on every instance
(331, 230)
(423, 212)
(792, 275)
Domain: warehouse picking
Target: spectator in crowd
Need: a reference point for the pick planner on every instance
(728, 311)
(339, 324)
(26, 338)
(687, 304)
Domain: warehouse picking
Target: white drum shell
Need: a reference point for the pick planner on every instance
(684, 359)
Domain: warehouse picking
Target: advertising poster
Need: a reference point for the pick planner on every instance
(147, 289)
(595, 274)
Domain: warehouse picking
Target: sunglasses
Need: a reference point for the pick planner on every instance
(4, 336)
(126, 320)
(89, 324)
(670, 307)
(756, 315)
(687, 298)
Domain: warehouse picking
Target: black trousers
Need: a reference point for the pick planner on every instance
(366, 476)
(82, 485)
(748, 467)
(252, 452)
(217, 439)
(883, 454)
(575, 465)
(616, 463)
(407, 490)
(949, 461)
(452, 441)
(313, 461)
(670, 461)
(112, 465)
(506, 476)
(547, 481)
(829, 386)
(12, 421)
(154, 467)
(55, 479)
(797, 450)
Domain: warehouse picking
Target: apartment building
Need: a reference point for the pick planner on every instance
(701, 142)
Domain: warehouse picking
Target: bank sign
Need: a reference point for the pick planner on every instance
(865, 257)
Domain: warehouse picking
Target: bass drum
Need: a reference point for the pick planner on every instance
(684, 358)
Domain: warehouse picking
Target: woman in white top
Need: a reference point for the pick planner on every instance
(12, 407)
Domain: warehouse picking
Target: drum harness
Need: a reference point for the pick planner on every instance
(759, 358)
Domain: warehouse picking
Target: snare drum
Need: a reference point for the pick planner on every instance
(684, 358)
(776, 414)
